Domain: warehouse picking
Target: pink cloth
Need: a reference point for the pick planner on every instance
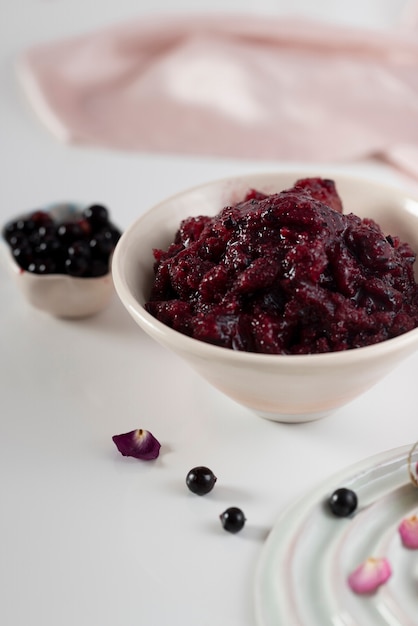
(235, 86)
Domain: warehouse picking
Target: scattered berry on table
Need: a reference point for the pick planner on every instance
(200, 480)
(233, 519)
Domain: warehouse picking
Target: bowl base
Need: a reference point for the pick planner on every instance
(293, 418)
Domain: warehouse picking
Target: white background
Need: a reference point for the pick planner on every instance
(89, 538)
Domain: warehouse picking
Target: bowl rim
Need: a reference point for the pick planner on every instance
(208, 350)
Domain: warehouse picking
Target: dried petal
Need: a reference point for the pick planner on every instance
(408, 530)
(139, 443)
(370, 575)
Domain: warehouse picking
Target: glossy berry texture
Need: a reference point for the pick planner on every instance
(200, 480)
(79, 247)
(286, 273)
(343, 502)
(233, 519)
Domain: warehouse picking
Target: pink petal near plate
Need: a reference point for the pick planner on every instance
(369, 576)
(408, 530)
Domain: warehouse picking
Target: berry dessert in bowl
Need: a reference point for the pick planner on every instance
(292, 293)
(60, 258)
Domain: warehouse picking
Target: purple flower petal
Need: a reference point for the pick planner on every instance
(408, 529)
(139, 443)
(369, 576)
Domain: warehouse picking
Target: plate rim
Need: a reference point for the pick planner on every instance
(309, 500)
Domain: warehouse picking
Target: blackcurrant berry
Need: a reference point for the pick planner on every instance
(46, 231)
(69, 231)
(40, 218)
(102, 244)
(96, 214)
(98, 267)
(76, 266)
(14, 227)
(42, 266)
(79, 248)
(343, 502)
(16, 239)
(233, 519)
(49, 246)
(115, 233)
(23, 254)
(10, 230)
(200, 480)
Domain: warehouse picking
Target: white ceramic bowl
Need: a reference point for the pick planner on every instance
(288, 388)
(61, 295)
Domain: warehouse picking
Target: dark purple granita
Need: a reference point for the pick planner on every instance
(286, 273)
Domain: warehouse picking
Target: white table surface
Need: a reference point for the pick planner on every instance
(88, 537)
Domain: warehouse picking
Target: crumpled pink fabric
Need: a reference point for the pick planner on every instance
(257, 87)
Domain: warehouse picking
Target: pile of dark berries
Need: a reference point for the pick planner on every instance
(80, 246)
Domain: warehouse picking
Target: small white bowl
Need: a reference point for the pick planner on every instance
(287, 388)
(61, 295)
